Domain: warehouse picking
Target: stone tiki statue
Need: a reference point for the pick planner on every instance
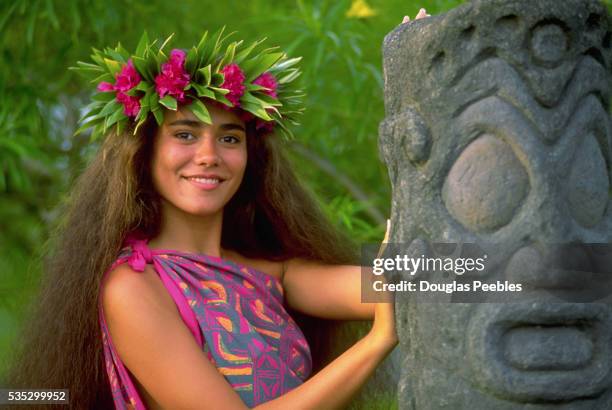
(497, 130)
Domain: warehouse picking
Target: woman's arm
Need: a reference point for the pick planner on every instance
(327, 291)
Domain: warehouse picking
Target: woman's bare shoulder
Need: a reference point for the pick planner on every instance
(123, 285)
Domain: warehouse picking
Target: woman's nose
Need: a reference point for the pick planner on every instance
(206, 153)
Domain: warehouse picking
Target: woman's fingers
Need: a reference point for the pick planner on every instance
(386, 238)
(383, 245)
(421, 14)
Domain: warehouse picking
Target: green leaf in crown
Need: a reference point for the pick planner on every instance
(131, 88)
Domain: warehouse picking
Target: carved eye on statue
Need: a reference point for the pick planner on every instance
(588, 184)
(486, 185)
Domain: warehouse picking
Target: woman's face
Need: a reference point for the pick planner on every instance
(198, 167)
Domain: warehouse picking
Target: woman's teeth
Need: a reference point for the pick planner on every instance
(205, 180)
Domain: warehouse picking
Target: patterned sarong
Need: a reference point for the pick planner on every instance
(235, 314)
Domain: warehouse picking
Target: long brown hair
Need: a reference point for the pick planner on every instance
(271, 216)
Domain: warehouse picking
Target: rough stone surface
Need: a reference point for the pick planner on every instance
(497, 130)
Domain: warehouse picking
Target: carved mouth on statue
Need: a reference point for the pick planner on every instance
(539, 352)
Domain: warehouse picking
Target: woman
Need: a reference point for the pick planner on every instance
(198, 201)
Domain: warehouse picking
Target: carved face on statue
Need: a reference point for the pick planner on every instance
(497, 131)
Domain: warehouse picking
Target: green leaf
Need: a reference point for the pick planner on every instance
(268, 100)
(256, 110)
(117, 115)
(198, 109)
(139, 124)
(203, 91)
(169, 102)
(206, 73)
(113, 66)
(221, 98)
(293, 74)
(104, 77)
(245, 52)
(142, 45)
(103, 96)
(142, 68)
(254, 87)
(228, 56)
(86, 66)
(191, 61)
(93, 107)
(153, 100)
(118, 56)
(254, 68)
(152, 66)
(110, 107)
(166, 42)
(143, 86)
(158, 114)
(221, 91)
(202, 42)
(283, 65)
(133, 92)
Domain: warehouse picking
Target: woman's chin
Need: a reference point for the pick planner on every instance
(206, 211)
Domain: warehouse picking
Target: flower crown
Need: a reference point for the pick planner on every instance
(130, 87)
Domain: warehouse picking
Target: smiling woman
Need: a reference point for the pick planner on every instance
(187, 241)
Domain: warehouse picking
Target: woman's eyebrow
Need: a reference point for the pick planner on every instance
(232, 126)
(198, 124)
(189, 123)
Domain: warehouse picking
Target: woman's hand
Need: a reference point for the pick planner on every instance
(383, 329)
(422, 13)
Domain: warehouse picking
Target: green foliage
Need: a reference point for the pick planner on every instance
(335, 149)
(204, 63)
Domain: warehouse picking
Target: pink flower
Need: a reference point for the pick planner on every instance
(125, 80)
(105, 87)
(128, 78)
(234, 82)
(173, 79)
(267, 80)
(131, 105)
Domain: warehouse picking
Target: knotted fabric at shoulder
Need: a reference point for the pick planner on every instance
(141, 254)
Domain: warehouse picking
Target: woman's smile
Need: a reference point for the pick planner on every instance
(207, 182)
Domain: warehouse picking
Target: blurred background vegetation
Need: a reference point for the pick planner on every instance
(336, 147)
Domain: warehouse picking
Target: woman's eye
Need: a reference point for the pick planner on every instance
(184, 136)
(230, 139)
